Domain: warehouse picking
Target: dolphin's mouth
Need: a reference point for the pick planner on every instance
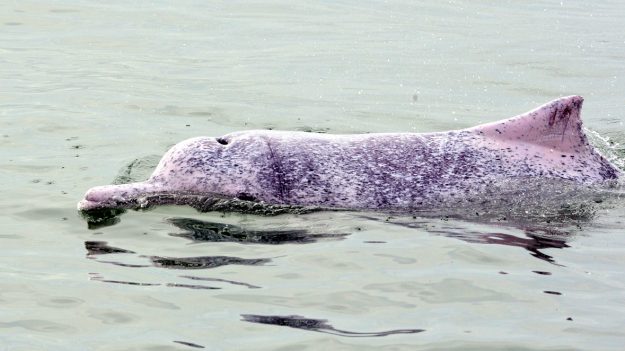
(145, 201)
(92, 210)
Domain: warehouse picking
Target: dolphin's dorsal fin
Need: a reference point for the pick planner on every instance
(555, 125)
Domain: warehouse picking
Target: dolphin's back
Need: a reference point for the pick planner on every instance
(377, 171)
(407, 170)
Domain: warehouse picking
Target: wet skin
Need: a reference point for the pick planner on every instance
(396, 171)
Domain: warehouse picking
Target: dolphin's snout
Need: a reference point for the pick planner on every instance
(113, 195)
(98, 193)
(97, 197)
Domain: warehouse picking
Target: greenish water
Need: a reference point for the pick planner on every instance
(86, 88)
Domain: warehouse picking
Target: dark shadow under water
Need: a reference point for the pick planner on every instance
(204, 262)
(95, 249)
(204, 231)
(319, 325)
(102, 248)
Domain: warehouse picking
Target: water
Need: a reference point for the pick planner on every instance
(87, 88)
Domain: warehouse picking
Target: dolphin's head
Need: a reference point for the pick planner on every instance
(198, 168)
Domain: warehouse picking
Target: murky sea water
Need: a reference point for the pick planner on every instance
(87, 88)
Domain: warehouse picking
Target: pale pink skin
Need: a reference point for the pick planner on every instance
(372, 171)
(541, 133)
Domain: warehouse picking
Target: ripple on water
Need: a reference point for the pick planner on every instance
(61, 302)
(39, 325)
(443, 291)
(109, 317)
(352, 302)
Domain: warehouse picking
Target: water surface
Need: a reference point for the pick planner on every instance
(88, 88)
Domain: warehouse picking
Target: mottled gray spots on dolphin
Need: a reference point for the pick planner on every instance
(408, 172)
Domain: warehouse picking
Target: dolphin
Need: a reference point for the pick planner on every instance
(377, 171)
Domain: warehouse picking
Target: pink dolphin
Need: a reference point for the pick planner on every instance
(398, 171)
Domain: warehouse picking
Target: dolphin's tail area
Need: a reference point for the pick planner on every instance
(552, 135)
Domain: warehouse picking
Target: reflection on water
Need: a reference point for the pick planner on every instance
(95, 248)
(191, 286)
(101, 218)
(102, 248)
(201, 262)
(202, 231)
(318, 325)
(190, 344)
(122, 264)
(532, 237)
(220, 280)
(532, 243)
(205, 262)
(537, 238)
(125, 282)
(99, 278)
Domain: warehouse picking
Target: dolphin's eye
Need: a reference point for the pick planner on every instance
(222, 141)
